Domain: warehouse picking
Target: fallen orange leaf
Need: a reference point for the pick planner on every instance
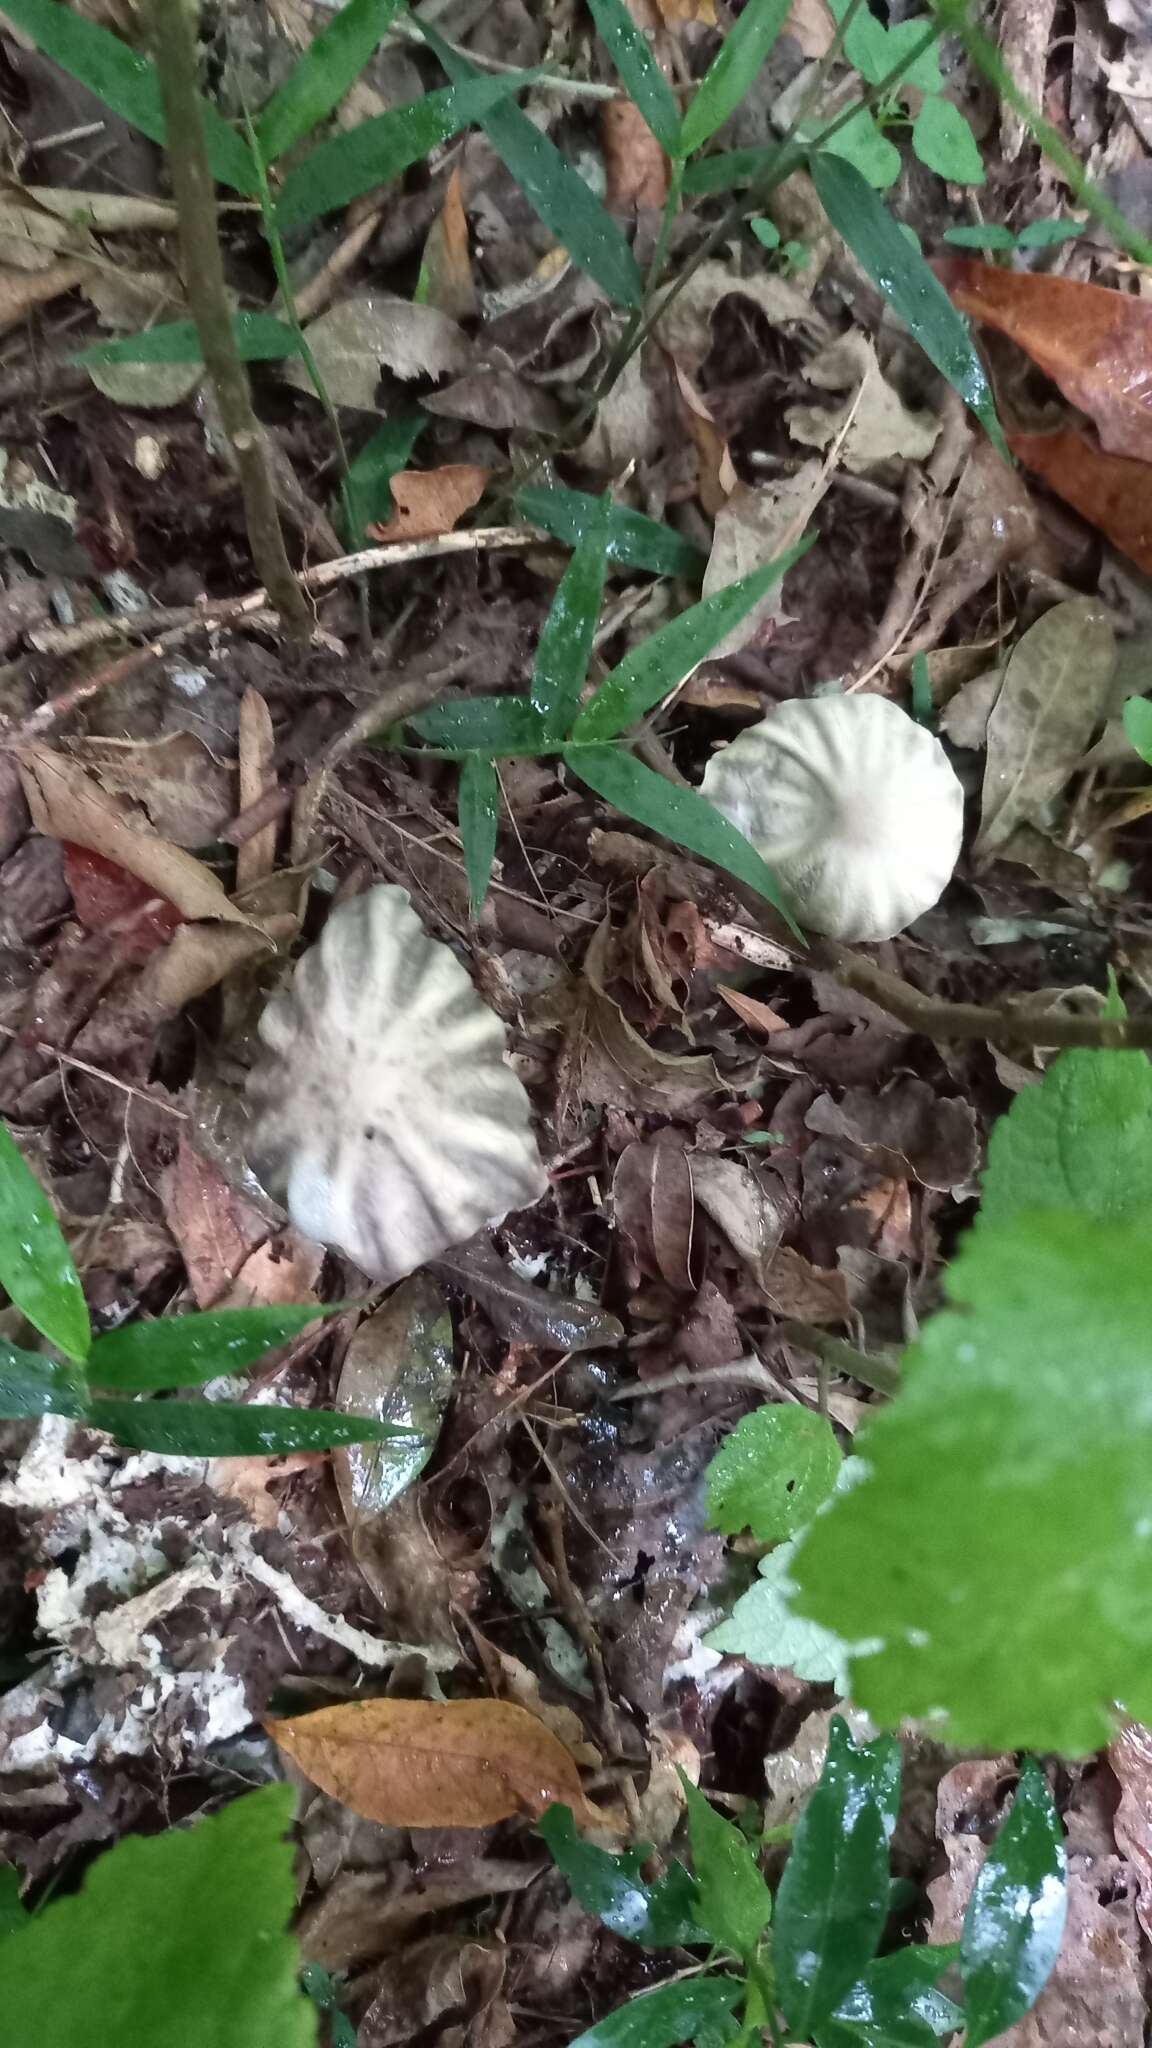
(1109, 491)
(1094, 343)
(433, 1764)
(635, 165)
(451, 287)
(429, 502)
(758, 1016)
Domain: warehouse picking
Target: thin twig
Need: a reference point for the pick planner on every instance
(69, 1059)
(947, 1021)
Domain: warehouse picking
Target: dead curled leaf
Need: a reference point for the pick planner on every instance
(435, 1764)
(1094, 343)
(429, 502)
(1054, 694)
(636, 166)
(66, 804)
(605, 1060)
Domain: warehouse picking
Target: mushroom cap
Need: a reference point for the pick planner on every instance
(852, 804)
(384, 1114)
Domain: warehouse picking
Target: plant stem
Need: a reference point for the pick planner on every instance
(173, 28)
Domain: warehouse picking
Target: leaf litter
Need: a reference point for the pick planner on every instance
(756, 1170)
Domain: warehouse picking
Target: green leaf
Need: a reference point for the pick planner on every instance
(553, 187)
(259, 337)
(988, 236)
(734, 1903)
(1006, 1503)
(1046, 234)
(125, 81)
(643, 79)
(923, 70)
(226, 1429)
(183, 1351)
(369, 486)
(733, 71)
(664, 2018)
(764, 1628)
(478, 809)
(943, 140)
(376, 151)
(496, 725)
(861, 143)
(682, 815)
(174, 1940)
(766, 232)
(895, 2005)
(1015, 1919)
(36, 1265)
(653, 669)
(327, 70)
(564, 649)
(632, 537)
(778, 1466)
(907, 282)
(31, 1384)
(660, 1915)
(1138, 726)
(923, 707)
(833, 1897)
(1082, 1140)
(866, 44)
(729, 168)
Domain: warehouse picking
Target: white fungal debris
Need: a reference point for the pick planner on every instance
(385, 1114)
(852, 804)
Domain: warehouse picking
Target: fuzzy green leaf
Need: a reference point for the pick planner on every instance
(326, 71)
(659, 664)
(478, 808)
(908, 283)
(259, 338)
(184, 1351)
(734, 1903)
(376, 151)
(175, 1940)
(1015, 1919)
(36, 1266)
(1082, 1140)
(682, 815)
(733, 71)
(564, 649)
(553, 187)
(778, 1466)
(665, 2018)
(126, 81)
(632, 537)
(833, 1897)
(225, 1429)
(943, 140)
(642, 77)
(659, 1915)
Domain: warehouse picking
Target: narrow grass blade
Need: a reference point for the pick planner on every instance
(564, 649)
(728, 169)
(224, 1429)
(368, 492)
(632, 537)
(908, 283)
(378, 150)
(31, 1384)
(733, 72)
(478, 810)
(126, 81)
(659, 663)
(327, 70)
(641, 75)
(554, 188)
(260, 338)
(184, 1351)
(492, 725)
(682, 815)
(36, 1266)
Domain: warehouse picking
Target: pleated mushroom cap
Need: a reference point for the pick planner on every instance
(855, 807)
(384, 1115)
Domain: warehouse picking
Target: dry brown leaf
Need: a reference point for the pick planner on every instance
(248, 1480)
(636, 166)
(652, 1204)
(757, 523)
(435, 1764)
(523, 1689)
(197, 958)
(279, 1274)
(605, 1060)
(1130, 1756)
(430, 502)
(66, 804)
(716, 477)
(758, 1016)
(804, 1292)
(186, 792)
(215, 1228)
(21, 290)
(355, 340)
(1112, 492)
(255, 857)
(812, 24)
(677, 11)
(743, 1207)
(109, 212)
(447, 272)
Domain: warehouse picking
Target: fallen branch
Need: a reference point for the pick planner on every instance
(946, 1021)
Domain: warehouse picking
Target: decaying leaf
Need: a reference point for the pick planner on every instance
(739, 1203)
(882, 427)
(362, 336)
(1113, 493)
(607, 1061)
(22, 290)
(432, 501)
(66, 804)
(399, 1368)
(907, 1130)
(652, 1204)
(214, 1226)
(686, 328)
(1054, 694)
(629, 423)
(757, 523)
(1130, 1756)
(433, 1764)
(446, 273)
(187, 794)
(522, 1313)
(636, 165)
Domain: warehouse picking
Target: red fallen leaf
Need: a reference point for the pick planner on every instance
(105, 894)
(1109, 491)
(1094, 343)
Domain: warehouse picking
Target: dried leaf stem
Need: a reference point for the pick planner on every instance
(173, 26)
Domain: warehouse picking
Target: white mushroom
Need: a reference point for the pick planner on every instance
(852, 804)
(386, 1117)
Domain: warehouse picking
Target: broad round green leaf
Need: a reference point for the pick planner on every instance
(1080, 1141)
(778, 1466)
